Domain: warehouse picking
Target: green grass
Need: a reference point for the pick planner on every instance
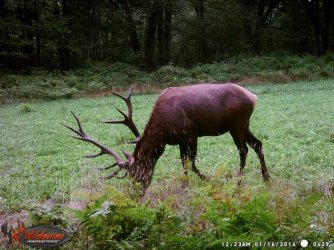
(41, 164)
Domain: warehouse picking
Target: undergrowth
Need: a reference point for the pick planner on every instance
(213, 213)
(99, 77)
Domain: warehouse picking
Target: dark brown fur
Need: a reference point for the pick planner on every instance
(182, 114)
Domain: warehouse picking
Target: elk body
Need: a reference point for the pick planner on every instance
(180, 116)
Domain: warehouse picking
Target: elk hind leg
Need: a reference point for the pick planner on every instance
(239, 138)
(192, 157)
(256, 144)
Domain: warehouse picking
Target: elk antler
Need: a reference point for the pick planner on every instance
(104, 150)
(127, 118)
(114, 174)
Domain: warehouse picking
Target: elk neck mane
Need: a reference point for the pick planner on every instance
(147, 152)
(150, 145)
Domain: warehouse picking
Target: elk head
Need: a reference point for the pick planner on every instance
(129, 165)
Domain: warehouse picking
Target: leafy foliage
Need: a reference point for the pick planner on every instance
(121, 223)
(101, 77)
(245, 216)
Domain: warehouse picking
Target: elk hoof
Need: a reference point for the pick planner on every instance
(203, 177)
(266, 177)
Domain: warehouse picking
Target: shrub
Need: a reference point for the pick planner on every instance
(121, 223)
(26, 108)
(273, 68)
(169, 75)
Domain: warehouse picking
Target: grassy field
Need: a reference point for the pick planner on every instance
(42, 172)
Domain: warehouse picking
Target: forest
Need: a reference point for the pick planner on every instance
(64, 57)
(151, 33)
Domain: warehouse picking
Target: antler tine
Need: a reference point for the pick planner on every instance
(128, 121)
(127, 155)
(127, 100)
(84, 137)
(78, 122)
(114, 174)
(110, 166)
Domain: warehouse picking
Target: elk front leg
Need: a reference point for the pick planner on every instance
(189, 152)
(184, 158)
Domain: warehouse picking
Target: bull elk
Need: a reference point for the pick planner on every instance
(180, 116)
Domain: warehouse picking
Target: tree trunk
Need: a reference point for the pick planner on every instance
(2, 8)
(202, 43)
(135, 44)
(312, 9)
(38, 37)
(161, 33)
(317, 29)
(63, 51)
(327, 25)
(150, 37)
(331, 28)
(263, 14)
(164, 31)
(25, 15)
(168, 30)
